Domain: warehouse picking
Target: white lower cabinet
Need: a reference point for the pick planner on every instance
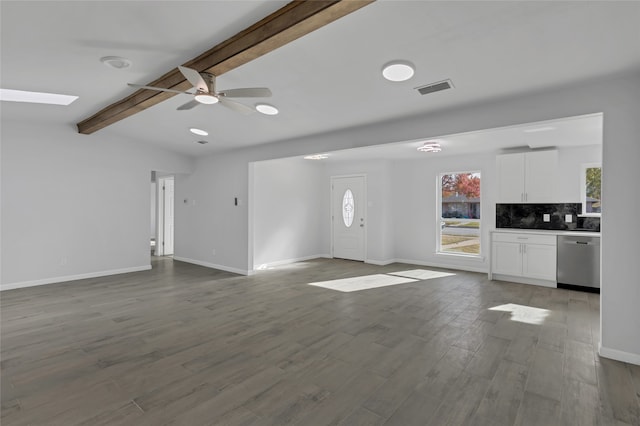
(528, 256)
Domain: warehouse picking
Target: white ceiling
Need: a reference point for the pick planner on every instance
(566, 132)
(327, 80)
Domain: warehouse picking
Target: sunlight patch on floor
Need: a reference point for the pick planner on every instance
(522, 313)
(422, 274)
(363, 283)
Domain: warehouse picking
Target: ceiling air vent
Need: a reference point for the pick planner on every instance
(435, 87)
(202, 142)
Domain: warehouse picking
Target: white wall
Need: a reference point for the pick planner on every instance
(617, 97)
(290, 213)
(75, 206)
(210, 229)
(415, 189)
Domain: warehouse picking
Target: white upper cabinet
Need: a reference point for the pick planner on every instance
(529, 177)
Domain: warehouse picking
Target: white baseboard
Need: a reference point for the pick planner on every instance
(213, 265)
(288, 261)
(54, 280)
(380, 262)
(627, 357)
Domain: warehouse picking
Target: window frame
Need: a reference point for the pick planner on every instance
(440, 219)
(583, 188)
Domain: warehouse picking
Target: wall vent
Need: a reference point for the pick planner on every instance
(202, 142)
(435, 87)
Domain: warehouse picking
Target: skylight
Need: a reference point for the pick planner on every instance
(10, 95)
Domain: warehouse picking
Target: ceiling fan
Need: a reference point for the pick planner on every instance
(205, 92)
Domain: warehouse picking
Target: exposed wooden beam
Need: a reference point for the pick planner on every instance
(296, 19)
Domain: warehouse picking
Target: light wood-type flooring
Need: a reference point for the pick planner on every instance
(186, 345)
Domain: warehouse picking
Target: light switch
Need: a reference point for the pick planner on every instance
(546, 217)
(568, 218)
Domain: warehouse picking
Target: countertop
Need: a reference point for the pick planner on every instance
(547, 232)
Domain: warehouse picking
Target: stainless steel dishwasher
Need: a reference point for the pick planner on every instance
(579, 262)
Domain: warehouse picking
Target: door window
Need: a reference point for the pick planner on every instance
(348, 208)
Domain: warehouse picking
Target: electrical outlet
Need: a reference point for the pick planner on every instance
(546, 217)
(568, 218)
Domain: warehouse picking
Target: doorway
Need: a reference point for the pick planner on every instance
(165, 215)
(348, 214)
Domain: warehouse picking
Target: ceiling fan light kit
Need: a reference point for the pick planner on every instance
(398, 71)
(204, 85)
(206, 98)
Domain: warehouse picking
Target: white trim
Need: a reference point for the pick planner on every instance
(288, 261)
(213, 265)
(440, 219)
(66, 278)
(617, 355)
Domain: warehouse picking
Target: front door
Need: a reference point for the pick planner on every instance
(348, 217)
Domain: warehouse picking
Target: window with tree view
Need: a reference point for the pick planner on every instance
(459, 226)
(592, 190)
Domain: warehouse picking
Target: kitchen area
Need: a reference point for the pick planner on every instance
(538, 240)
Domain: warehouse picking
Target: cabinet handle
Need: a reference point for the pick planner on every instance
(524, 249)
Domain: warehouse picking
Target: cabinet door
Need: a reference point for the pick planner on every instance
(510, 178)
(541, 176)
(506, 258)
(539, 261)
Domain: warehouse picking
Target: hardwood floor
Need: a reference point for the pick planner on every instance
(186, 345)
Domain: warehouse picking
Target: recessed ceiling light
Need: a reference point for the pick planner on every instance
(198, 132)
(539, 129)
(267, 109)
(206, 98)
(116, 62)
(316, 157)
(35, 97)
(398, 71)
(430, 146)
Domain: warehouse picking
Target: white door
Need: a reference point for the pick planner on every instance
(167, 241)
(348, 216)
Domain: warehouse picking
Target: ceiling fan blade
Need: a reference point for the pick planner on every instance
(236, 106)
(247, 92)
(188, 105)
(194, 78)
(159, 89)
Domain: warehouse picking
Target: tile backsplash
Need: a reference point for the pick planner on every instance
(545, 216)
